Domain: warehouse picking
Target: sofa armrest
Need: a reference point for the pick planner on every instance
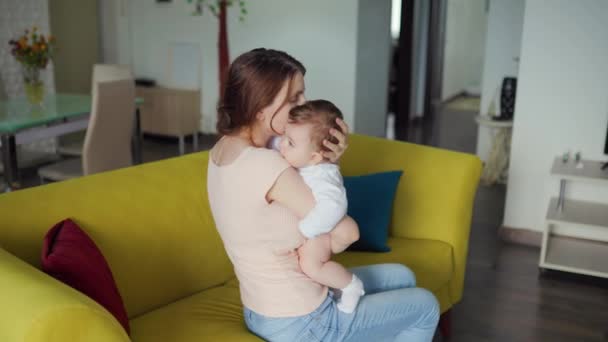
(36, 307)
(435, 196)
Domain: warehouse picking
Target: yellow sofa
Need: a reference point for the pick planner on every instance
(153, 224)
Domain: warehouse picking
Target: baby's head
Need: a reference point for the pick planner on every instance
(309, 124)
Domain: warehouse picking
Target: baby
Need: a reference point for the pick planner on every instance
(302, 147)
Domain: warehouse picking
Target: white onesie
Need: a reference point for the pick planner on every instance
(325, 182)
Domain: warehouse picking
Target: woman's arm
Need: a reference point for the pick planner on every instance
(291, 191)
(337, 150)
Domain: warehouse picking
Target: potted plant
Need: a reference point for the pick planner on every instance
(33, 51)
(218, 8)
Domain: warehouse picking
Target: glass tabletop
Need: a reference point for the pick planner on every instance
(18, 114)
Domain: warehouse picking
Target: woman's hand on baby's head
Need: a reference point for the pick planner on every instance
(337, 150)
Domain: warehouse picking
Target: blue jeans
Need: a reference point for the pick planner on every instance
(393, 309)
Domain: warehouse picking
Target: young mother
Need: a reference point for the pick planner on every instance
(257, 200)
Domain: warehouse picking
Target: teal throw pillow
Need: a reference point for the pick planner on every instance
(370, 204)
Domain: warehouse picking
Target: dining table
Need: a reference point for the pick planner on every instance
(22, 123)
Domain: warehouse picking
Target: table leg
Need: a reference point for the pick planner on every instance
(562, 194)
(9, 160)
(195, 142)
(137, 139)
(182, 145)
(496, 168)
(503, 139)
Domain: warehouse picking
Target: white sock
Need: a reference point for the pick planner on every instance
(351, 295)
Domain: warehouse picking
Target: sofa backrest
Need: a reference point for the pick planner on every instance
(152, 223)
(435, 195)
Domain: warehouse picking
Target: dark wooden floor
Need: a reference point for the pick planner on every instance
(504, 298)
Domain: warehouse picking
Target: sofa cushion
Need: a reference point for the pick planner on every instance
(370, 204)
(71, 256)
(431, 260)
(215, 314)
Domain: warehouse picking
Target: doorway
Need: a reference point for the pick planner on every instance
(438, 61)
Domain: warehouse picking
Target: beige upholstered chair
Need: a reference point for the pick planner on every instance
(71, 145)
(107, 144)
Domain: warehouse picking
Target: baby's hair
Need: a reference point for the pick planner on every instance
(322, 114)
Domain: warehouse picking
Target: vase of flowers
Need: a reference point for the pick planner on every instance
(33, 51)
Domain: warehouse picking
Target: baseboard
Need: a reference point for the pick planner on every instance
(453, 97)
(525, 237)
(472, 91)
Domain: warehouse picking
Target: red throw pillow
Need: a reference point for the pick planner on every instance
(69, 255)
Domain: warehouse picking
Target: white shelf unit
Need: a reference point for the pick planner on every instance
(576, 251)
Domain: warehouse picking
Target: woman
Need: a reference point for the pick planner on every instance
(257, 200)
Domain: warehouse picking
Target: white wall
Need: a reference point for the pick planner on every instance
(562, 103)
(395, 18)
(464, 46)
(502, 49)
(372, 73)
(321, 34)
(115, 32)
(108, 31)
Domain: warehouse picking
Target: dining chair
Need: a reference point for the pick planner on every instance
(71, 146)
(107, 143)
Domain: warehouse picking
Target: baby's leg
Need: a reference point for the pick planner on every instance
(315, 263)
(344, 234)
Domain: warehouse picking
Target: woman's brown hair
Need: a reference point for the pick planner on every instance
(254, 80)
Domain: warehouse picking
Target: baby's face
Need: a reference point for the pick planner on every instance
(297, 146)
